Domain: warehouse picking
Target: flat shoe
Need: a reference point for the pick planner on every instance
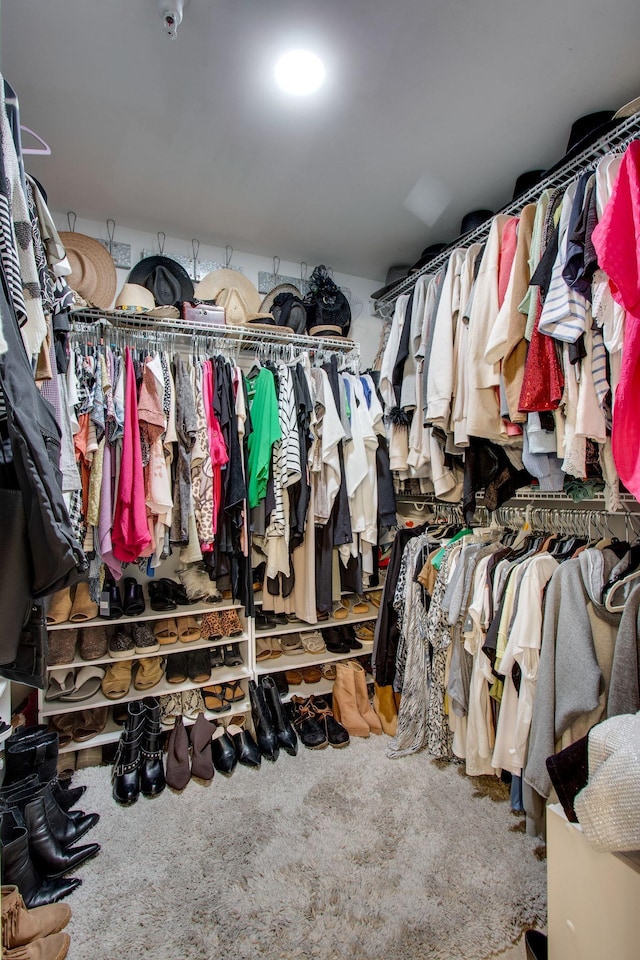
(61, 682)
(311, 674)
(294, 677)
(87, 684)
(94, 642)
(291, 644)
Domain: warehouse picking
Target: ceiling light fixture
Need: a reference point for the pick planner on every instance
(299, 72)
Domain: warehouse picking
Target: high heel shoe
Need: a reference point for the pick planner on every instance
(285, 733)
(223, 751)
(201, 758)
(134, 605)
(266, 735)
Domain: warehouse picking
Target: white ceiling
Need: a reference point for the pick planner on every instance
(190, 136)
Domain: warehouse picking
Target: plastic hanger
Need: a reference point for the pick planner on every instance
(45, 149)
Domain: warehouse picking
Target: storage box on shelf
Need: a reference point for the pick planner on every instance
(218, 675)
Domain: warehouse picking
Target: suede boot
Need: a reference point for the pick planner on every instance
(20, 925)
(365, 709)
(201, 760)
(53, 947)
(178, 767)
(345, 707)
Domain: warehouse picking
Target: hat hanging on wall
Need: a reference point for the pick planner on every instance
(167, 280)
(328, 310)
(93, 274)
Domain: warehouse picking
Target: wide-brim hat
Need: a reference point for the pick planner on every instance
(268, 301)
(211, 286)
(167, 280)
(433, 250)
(395, 273)
(237, 311)
(136, 299)
(585, 131)
(93, 274)
(526, 181)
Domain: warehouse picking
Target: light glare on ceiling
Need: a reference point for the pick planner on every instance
(299, 72)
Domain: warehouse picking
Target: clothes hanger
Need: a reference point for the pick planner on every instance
(43, 151)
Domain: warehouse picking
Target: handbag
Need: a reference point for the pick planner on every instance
(203, 313)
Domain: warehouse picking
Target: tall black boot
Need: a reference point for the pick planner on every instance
(266, 736)
(66, 829)
(152, 780)
(51, 859)
(35, 750)
(126, 768)
(285, 733)
(18, 868)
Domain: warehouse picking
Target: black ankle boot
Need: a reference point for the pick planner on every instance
(50, 858)
(18, 868)
(266, 736)
(152, 780)
(285, 733)
(32, 750)
(66, 829)
(126, 768)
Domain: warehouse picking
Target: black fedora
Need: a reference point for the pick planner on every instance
(585, 131)
(473, 220)
(428, 254)
(526, 181)
(395, 274)
(165, 278)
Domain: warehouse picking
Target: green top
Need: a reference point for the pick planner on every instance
(263, 402)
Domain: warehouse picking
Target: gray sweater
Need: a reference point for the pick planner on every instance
(570, 680)
(624, 692)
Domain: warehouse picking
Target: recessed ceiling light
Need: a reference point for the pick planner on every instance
(299, 72)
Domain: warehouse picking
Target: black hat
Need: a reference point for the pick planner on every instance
(526, 181)
(328, 310)
(394, 275)
(473, 220)
(428, 254)
(289, 311)
(585, 131)
(165, 278)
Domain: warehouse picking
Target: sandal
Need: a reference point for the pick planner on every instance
(60, 606)
(294, 677)
(311, 674)
(87, 684)
(211, 628)
(375, 598)
(232, 655)
(263, 648)
(341, 610)
(232, 691)
(199, 666)
(149, 673)
(90, 724)
(63, 724)
(170, 708)
(313, 641)
(159, 597)
(61, 682)
(192, 704)
(189, 630)
(134, 605)
(231, 625)
(166, 631)
(213, 699)
(216, 657)
(360, 606)
(176, 592)
(177, 668)
(117, 680)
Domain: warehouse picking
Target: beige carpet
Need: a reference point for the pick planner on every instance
(329, 855)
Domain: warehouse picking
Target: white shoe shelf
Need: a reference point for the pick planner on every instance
(249, 669)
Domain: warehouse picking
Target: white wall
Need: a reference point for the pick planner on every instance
(366, 329)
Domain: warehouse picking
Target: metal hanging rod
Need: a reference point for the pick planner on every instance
(616, 140)
(246, 337)
(562, 500)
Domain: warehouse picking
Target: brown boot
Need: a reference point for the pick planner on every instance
(345, 708)
(20, 926)
(53, 947)
(365, 709)
(384, 704)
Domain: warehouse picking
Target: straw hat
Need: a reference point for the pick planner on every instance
(136, 299)
(215, 282)
(237, 310)
(267, 303)
(93, 274)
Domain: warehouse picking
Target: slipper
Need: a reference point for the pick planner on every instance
(313, 641)
(90, 723)
(83, 606)
(60, 606)
(88, 680)
(276, 648)
(294, 677)
(263, 648)
(375, 597)
(61, 682)
(360, 606)
(365, 631)
(166, 631)
(188, 630)
(311, 674)
(117, 680)
(341, 610)
(328, 671)
(291, 644)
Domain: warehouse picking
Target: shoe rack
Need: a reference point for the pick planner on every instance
(111, 732)
(299, 660)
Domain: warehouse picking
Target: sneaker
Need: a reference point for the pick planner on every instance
(121, 645)
(144, 639)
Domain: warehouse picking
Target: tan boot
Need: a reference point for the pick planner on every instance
(365, 709)
(384, 704)
(21, 926)
(345, 708)
(53, 947)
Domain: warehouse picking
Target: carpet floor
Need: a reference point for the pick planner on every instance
(328, 855)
